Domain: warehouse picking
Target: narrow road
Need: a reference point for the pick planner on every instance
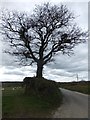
(75, 105)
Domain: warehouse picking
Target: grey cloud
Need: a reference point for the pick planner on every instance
(18, 71)
(8, 60)
(60, 73)
(79, 59)
(11, 67)
(64, 65)
(78, 69)
(68, 66)
(14, 73)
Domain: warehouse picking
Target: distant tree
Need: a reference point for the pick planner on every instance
(39, 37)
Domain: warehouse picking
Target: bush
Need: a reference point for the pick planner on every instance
(42, 88)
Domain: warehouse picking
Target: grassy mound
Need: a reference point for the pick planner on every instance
(44, 89)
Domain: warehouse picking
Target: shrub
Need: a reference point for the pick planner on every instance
(42, 88)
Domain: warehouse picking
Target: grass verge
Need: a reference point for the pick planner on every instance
(16, 104)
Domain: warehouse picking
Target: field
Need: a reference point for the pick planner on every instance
(15, 104)
(82, 86)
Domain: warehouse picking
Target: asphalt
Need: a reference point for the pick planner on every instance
(75, 105)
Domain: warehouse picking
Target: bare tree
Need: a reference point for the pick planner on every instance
(38, 37)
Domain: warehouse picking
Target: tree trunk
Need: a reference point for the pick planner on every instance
(39, 72)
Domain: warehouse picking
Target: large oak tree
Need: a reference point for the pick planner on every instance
(38, 37)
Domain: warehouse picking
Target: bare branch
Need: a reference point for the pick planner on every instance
(40, 36)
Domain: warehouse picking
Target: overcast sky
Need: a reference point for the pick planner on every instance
(65, 68)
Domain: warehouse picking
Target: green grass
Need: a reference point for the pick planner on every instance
(15, 104)
(83, 87)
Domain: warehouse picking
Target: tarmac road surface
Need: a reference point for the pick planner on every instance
(75, 105)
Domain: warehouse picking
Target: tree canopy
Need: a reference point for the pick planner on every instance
(38, 37)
